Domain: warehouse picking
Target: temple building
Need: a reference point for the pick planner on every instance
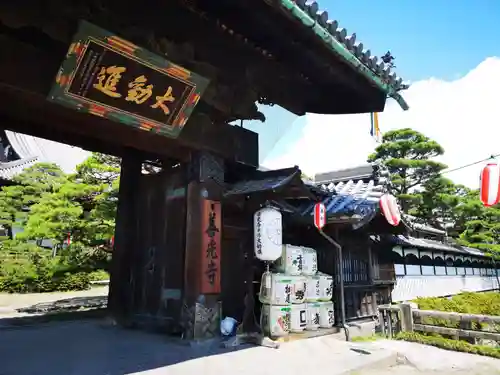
(19, 151)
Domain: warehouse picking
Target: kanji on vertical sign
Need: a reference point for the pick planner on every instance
(319, 215)
(211, 227)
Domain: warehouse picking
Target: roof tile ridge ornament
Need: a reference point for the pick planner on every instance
(377, 72)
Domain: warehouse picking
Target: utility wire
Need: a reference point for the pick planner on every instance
(469, 165)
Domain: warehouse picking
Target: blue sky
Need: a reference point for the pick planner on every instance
(430, 38)
(440, 38)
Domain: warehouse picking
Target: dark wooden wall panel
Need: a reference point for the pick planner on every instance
(158, 268)
(237, 259)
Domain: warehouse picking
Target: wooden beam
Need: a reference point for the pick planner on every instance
(457, 316)
(31, 113)
(24, 87)
(457, 332)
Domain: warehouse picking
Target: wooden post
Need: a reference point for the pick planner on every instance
(370, 264)
(202, 283)
(381, 318)
(406, 317)
(389, 323)
(120, 290)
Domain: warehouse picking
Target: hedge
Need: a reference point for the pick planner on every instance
(45, 283)
(449, 344)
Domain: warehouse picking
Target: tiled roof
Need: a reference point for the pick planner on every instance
(264, 181)
(433, 245)
(357, 173)
(352, 194)
(412, 221)
(472, 251)
(11, 169)
(347, 47)
(65, 156)
(424, 244)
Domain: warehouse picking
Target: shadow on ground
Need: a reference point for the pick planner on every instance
(66, 304)
(92, 347)
(63, 309)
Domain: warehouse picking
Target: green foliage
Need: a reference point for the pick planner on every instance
(468, 303)
(432, 198)
(48, 205)
(449, 344)
(439, 201)
(31, 185)
(45, 283)
(408, 155)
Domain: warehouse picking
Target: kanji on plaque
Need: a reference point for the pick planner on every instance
(211, 247)
(110, 77)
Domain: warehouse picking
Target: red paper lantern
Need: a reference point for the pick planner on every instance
(490, 185)
(390, 209)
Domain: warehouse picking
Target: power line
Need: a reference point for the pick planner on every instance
(469, 165)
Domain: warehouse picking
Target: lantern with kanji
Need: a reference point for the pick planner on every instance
(490, 184)
(390, 209)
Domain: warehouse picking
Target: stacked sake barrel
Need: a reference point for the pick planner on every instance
(319, 293)
(296, 297)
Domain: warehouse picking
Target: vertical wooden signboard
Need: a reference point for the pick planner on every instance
(211, 247)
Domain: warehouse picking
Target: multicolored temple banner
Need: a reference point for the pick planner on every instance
(110, 77)
(375, 129)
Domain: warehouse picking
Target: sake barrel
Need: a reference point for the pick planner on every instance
(313, 291)
(291, 260)
(310, 261)
(275, 289)
(275, 320)
(312, 316)
(297, 318)
(298, 289)
(325, 286)
(326, 315)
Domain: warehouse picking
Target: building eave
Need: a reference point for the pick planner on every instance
(308, 14)
(9, 170)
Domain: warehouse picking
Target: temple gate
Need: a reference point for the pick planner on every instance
(160, 85)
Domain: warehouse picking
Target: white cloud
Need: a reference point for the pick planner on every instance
(462, 115)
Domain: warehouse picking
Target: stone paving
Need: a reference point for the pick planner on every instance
(98, 348)
(94, 347)
(424, 359)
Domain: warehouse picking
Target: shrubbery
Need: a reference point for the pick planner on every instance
(469, 303)
(74, 212)
(443, 343)
(29, 269)
(43, 284)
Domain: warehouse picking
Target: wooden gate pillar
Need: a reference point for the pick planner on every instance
(120, 292)
(202, 273)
